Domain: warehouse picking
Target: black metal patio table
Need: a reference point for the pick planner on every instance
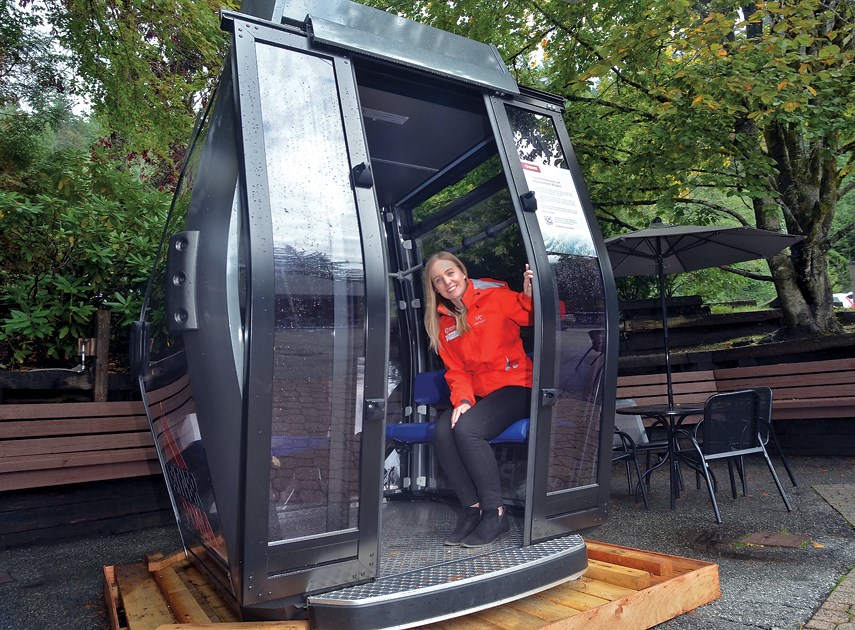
(671, 417)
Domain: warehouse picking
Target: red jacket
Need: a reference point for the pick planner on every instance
(490, 356)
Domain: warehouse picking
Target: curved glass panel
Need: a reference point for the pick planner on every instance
(575, 439)
(168, 394)
(319, 338)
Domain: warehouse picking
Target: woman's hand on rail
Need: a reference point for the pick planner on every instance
(528, 274)
(459, 411)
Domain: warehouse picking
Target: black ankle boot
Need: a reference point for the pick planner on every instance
(491, 528)
(468, 522)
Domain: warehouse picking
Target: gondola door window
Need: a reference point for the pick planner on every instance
(574, 450)
(319, 338)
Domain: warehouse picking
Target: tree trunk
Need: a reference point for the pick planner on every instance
(807, 187)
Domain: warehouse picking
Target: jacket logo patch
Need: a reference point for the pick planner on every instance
(479, 319)
(451, 333)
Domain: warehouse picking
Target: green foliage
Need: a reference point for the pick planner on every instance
(31, 68)
(81, 238)
(698, 112)
(146, 68)
(78, 232)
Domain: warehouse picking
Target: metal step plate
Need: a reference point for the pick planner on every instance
(423, 581)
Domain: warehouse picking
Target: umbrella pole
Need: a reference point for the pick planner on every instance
(661, 268)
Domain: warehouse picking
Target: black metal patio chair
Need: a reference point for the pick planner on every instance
(630, 439)
(767, 429)
(731, 429)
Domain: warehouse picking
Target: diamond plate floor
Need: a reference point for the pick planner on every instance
(413, 535)
(414, 558)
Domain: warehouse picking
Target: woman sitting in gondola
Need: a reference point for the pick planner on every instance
(474, 326)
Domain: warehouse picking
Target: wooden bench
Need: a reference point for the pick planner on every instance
(50, 444)
(801, 391)
(55, 443)
(652, 389)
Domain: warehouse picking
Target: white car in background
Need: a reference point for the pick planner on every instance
(843, 300)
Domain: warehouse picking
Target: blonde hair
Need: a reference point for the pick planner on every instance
(434, 299)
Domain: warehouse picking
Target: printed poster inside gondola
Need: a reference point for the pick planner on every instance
(559, 210)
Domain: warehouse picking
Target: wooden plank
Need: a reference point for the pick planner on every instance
(543, 608)
(207, 593)
(31, 428)
(633, 558)
(156, 561)
(573, 598)
(181, 602)
(598, 588)
(462, 623)
(70, 460)
(71, 410)
(141, 600)
(812, 411)
(805, 388)
(662, 379)
(651, 606)
(788, 380)
(111, 598)
(69, 444)
(800, 367)
(78, 474)
(509, 618)
(619, 576)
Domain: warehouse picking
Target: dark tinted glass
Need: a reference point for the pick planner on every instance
(574, 447)
(318, 343)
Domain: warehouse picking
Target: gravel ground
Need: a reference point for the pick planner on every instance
(60, 585)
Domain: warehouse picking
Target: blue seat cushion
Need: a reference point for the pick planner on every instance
(422, 432)
(431, 388)
(410, 432)
(284, 445)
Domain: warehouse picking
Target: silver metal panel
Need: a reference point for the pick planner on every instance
(366, 30)
(401, 41)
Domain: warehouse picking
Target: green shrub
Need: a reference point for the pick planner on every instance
(78, 235)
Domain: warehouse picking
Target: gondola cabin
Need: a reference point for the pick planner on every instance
(282, 353)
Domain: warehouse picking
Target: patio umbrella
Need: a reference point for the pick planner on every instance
(664, 249)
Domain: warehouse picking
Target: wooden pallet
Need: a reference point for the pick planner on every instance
(623, 587)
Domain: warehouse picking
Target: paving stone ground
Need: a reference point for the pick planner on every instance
(838, 611)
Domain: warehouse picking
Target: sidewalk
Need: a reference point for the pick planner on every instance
(838, 611)
(763, 586)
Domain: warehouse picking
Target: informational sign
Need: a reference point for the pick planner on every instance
(559, 210)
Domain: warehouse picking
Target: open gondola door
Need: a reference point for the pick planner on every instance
(316, 365)
(569, 455)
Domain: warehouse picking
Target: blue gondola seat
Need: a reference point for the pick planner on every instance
(431, 388)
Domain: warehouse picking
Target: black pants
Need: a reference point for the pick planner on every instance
(465, 453)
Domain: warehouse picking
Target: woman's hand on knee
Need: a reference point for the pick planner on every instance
(459, 411)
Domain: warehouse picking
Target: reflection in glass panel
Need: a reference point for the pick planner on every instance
(186, 469)
(319, 340)
(574, 447)
(168, 393)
